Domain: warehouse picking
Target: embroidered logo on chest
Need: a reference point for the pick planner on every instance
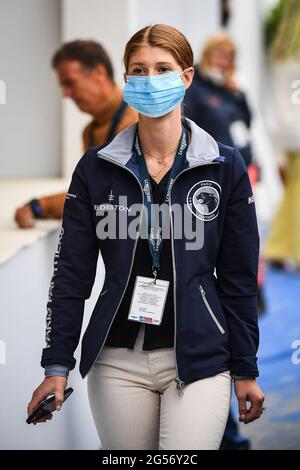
(203, 199)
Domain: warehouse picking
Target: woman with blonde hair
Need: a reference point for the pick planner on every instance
(167, 336)
(221, 46)
(215, 100)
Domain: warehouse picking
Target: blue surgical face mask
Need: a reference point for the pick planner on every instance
(154, 95)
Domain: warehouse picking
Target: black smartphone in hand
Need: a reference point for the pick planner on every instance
(46, 406)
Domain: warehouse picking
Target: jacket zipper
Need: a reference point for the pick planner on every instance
(179, 383)
(213, 316)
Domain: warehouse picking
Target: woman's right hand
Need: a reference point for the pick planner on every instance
(51, 385)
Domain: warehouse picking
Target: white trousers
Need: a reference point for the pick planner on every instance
(135, 403)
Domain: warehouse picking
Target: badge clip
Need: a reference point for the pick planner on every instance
(155, 273)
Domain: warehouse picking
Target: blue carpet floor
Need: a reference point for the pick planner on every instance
(279, 428)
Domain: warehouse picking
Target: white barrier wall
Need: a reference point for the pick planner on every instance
(24, 281)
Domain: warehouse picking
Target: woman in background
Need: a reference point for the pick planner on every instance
(215, 100)
(216, 103)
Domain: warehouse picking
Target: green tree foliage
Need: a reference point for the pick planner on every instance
(283, 30)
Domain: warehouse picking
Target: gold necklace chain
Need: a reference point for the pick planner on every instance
(159, 160)
(165, 161)
(162, 168)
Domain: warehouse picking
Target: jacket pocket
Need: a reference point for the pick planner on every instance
(210, 311)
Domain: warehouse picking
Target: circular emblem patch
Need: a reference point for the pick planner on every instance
(203, 199)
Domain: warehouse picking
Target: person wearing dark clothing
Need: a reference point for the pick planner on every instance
(222, 113)
(215, 102)
(213, 277)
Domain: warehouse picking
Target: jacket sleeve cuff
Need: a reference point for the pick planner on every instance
(52, 357)
(56, 370)
(242, 377)
(244, 366)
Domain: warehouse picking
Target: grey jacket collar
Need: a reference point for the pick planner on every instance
(202, 147)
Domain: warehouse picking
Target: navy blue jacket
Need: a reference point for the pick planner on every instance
(215, 287)
(219, 111)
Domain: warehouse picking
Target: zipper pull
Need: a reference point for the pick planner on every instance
(179, 385)
(202, 290)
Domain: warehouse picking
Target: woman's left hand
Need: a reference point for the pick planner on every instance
(249, 390)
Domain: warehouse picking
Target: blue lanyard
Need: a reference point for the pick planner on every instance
(155, 226)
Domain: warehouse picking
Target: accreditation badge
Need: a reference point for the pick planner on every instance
(148, 300)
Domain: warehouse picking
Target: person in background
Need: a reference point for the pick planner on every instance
(215, 101)
(217, 104)
(85, 73)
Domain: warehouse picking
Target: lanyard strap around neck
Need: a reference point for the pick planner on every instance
(155, 226)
